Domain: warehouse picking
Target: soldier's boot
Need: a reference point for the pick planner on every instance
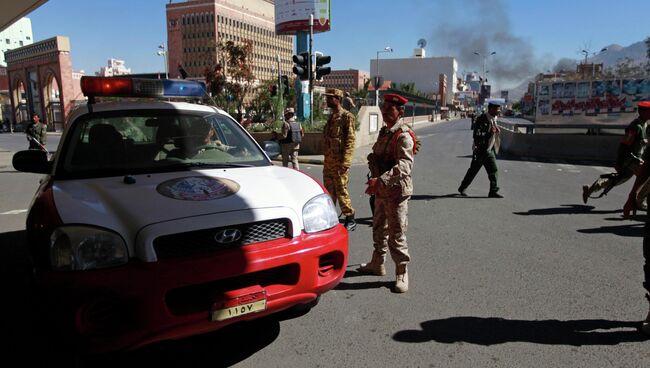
(645, 326)
(375, 266)
(585, 193)
(349, 223)
(401, 279)
(462, 191)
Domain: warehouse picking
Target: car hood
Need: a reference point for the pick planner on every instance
(153, 198)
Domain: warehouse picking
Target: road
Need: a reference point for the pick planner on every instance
(534, 279)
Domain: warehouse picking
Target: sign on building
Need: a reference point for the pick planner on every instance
(292, 16)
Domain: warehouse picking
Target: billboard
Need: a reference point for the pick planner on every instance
(292, 16)
(597, 101)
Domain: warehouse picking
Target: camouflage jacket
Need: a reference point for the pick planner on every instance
(393, 165)
(339, 138)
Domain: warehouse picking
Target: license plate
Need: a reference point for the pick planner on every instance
(239, 310)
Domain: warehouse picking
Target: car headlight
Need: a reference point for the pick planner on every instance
(74, 248)
(319, 214)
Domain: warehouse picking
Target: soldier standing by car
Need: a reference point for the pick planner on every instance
(36, 133)
(630, 208)
(485, 148)
(338, 147)
(292, 134)
(391, 164)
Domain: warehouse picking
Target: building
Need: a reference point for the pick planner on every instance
(196, 27)
(17, 35)
(114, 67)
(346, 80)
(423, 71)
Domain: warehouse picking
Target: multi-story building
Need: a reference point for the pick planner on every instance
(423, 71)
(17, 35)
(196, 27)
(347, 80)
(114, 67)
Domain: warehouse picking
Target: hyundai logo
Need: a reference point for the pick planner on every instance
(227, 236)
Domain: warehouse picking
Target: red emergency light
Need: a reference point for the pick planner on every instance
(102, 86)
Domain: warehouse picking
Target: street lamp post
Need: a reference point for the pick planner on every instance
(386, 49)
(162, 52)
(484, 62)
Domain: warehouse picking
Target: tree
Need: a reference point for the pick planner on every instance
(647, 53)
(625, 68)
(231, 80)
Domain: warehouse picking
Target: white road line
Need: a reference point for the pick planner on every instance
(604, 170)
(13, 212)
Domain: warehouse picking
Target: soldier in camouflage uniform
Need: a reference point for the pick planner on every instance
(630, 206)
(629, 158)
(391, 163)
(37, 133)
(338, 147)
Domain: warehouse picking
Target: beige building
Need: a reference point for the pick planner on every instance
(346, 80)
(195, 27)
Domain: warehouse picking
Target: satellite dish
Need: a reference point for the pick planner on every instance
(422, 43)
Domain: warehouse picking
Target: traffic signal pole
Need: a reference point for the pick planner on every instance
(311, 71)
(302, 91)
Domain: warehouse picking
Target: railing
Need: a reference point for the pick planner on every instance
(518, 125)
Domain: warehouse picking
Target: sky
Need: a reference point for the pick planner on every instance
(528, 36)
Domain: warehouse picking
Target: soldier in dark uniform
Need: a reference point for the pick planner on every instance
(486, 146)
(391, 166)
(629, 158)
(37, 133)
(630, 207)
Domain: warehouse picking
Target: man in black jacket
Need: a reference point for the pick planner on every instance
(486, 146)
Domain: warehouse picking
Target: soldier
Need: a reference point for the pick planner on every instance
(338, 146)
(630, 207)
(391, 163)
(292, 134)
(348, 103)
(36, 133)
(485, 148)
(629, 158)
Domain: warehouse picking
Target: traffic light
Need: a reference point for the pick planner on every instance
(285, 84)
(321, 69)
(301, 69)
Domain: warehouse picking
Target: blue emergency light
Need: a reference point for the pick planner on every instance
(140, 87)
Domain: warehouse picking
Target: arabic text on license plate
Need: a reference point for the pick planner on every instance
(240, 310)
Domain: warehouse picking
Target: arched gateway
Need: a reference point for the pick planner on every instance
(40, 79)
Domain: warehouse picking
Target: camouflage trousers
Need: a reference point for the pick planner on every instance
(290, 154)
(337, 185)
(389, 224)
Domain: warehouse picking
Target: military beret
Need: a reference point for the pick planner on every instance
(644, 105)
(334, 92)
(395, 99)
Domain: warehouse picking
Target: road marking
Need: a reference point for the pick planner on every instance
(13, 212)
(604, 170)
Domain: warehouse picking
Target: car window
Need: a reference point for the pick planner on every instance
(129, 142)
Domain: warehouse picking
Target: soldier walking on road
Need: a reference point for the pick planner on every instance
(630, 206)
(486, 146)
(36, 133)
(338, 146)
(292, 134)
(629, 158)
(391, 164)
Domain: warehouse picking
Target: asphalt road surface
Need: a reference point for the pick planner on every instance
(535, 279)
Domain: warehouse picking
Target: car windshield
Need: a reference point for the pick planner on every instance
(145, 141)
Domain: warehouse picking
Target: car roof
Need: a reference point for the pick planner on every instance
(143, 105)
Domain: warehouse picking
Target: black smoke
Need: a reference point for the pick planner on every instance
(483, 26)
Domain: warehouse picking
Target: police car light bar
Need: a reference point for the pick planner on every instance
(140, 87)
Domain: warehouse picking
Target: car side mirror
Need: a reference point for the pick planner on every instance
(272, 149)
(32, 161)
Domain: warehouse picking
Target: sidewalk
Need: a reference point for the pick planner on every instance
(361, 153)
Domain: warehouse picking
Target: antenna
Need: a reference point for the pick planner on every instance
(422, 43)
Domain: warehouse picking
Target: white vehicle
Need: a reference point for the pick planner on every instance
(159, 220)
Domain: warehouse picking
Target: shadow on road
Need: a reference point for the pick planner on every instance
(428, 197)
(365, 285)
(632, 230)
(491, 331)
(567, 209)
